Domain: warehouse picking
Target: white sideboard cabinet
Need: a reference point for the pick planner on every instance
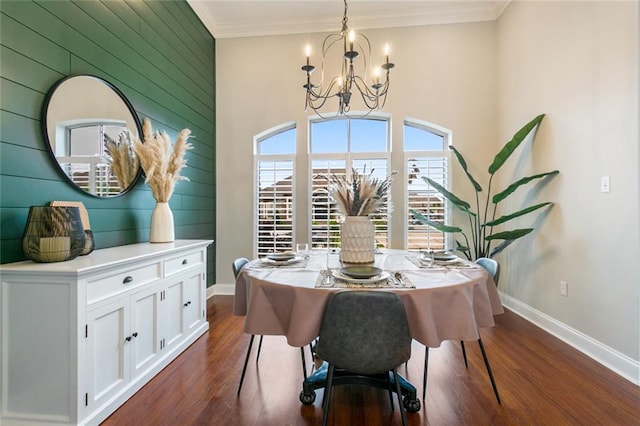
(79, 338)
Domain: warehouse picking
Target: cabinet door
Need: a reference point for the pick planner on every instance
(193, 301)
(172, 314)
(107, 350)
(145, 344)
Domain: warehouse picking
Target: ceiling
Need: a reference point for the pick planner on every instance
(247, 18)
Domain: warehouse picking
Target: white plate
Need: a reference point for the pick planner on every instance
(282, 262)
(427, 261)
(280, 257)
(383, 276)
(440, 257)
(361, 272)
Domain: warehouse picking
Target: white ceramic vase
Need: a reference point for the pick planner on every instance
(357, 236)
(161, 224)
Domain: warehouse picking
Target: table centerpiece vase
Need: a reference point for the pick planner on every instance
(357, 236)
(357, 196)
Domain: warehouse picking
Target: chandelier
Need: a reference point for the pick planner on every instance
(372, 89)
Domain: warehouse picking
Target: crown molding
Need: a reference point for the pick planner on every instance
(413, 14)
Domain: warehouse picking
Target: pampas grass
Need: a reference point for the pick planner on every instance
(122, 159)
(362, 194)
(161, 163)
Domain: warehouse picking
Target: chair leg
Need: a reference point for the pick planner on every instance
(486, 363)
(464, 354)
(390, 389)
(246, 360)
(304, 362)
(327, 394)
(424, 373)
(259, 348)
(313, 357)
(399, 393)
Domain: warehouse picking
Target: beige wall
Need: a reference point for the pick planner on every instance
(444, 75)
(576, 62)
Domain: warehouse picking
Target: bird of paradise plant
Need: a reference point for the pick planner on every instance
(482, 221)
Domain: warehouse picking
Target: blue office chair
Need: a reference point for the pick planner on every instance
(364, 333)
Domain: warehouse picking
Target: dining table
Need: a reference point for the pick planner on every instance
(444, 300)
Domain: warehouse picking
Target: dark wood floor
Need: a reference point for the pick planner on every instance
(541, 380)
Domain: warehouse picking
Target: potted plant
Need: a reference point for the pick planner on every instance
(480, 235)
(162, 163)
(356, 198)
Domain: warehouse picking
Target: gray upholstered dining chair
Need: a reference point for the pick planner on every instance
(493, 268)
(237, 266)
(364, 333)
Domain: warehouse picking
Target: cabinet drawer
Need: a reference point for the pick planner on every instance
(178, 264)
(122, 281)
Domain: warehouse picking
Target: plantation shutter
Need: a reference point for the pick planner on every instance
(325, 228)
(426, 200)
(275, 206)
(380, 169)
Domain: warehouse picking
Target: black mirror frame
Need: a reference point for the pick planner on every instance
(45, 131)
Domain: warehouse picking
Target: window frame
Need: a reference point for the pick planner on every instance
(349, 158)
(392, 157)
(447, 136)
(257, 158)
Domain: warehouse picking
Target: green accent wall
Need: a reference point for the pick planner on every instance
(159, 55)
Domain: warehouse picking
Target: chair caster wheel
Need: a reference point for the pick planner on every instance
(307, 398)
(411, 405)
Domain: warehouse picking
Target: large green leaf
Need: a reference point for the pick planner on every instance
(511, 188)
(463, 205)
(463, 164)
(463, 249)
(439, 226)
(511, 146)
(522, 212)
(509, 235)
(503, 245)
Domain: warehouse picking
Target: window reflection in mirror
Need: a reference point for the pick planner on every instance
(88, 126)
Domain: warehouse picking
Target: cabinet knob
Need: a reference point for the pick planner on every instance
(127, 279)
(187, 303)
(135, 334)
(128, 338)
(185, 261)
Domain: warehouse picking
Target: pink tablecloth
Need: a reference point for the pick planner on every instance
(448, 303)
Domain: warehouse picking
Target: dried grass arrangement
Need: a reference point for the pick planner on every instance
(161, 163)
(362, 194)
(122, 159)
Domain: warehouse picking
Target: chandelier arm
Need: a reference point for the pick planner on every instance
(326, 94)
(365, 90)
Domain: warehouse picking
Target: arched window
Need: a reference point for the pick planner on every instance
(426, 155)
(337, 147)
(275, 182)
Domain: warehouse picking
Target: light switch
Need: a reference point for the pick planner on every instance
(605, 184)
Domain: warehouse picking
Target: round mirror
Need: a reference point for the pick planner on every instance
(89, 125)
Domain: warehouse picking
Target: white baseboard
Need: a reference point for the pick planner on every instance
(221, 289)
(610, 358)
